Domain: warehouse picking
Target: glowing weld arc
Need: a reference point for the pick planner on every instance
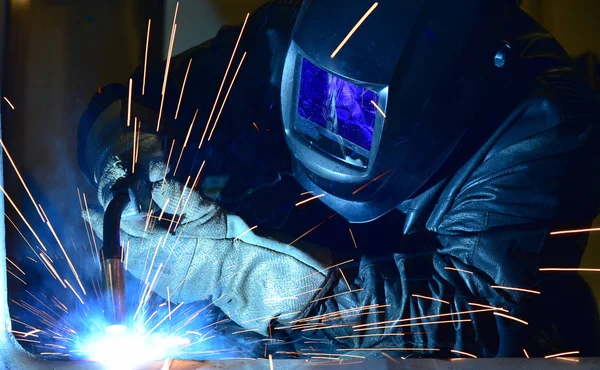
(353, 30)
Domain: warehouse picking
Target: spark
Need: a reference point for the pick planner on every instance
(511, 317)
(310, 199)
(525, 352)
(9, 103)
(17, 267)
(183, 88)
(74, 292)
(53, 271)
(224, 78)
(346, 281)
(146, 56)
(162, 211)
(370, 182)
(16, 277)
(364, 17)
(91, 227)
(463, 353)
(168, 162)
(177, 208)
(353, 240)
(379, 109)
(226, 96)
(23, 218)
(459, 270)
(137, 147)
(306, 192)
(569, 269)
(134, 145)
(150, 318)
(567, 359)
(388, 349)
(486, 306)
(14, 166)
(271, 361)
(189, 196)
(372, 335)
(169, 301)
(306, 233)
(429, 316)
(129, 105)
(414, 324)
(161, 321)
(167, 65)
(575, 231)
(517, 289)
(430, 298)
(255, 126)
(562, 354)
(389, 357)
(245, 232)
(336, 295)
(67, 257)
(185, 142)
(326, 327)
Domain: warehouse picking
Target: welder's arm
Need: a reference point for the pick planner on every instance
(493, 231)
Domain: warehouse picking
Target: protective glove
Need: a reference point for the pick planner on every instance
(210, 254)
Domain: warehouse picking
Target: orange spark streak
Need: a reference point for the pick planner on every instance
(168, 162)
(463, 353)
(189, 195)
(415, 324)
(137, 146)
(389, 357)
(525, 352)
(511, 317)
(167, 65)
(370, 182)
(567, 359)
(226, 96)
(575, 231)
(388, 349)
(335, 295)
(306, 233)
(517, 289)
(74, 292)
(562, 354)
(183, 88)
(344, 277)
(146, 57)
(270, 361)
(16, 277)
(23, 218)
(44, 217)
(224, 78)
(91, 227)
(134, 144)
(353, 240)
(353, 30)
(185, 142)
(54, 273)
(569, 269)
(325, 327)
(428, 317)
(255, 126)
(306, 192)
(87, 231)
(486, 306)
(9, 103)
(372, 335)
(310, 199)
(129, 105)
(340, 312)
(162, 211)
(379, 109)
(17, 267)
(245, 232)
(177, 208)
(66, 256)
(14, 166)
(430, 298)
(459, 270)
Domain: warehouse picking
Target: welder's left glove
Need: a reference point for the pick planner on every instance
(211, 254)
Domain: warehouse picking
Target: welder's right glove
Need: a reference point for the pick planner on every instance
(211, 254)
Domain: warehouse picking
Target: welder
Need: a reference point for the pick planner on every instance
(444, 141)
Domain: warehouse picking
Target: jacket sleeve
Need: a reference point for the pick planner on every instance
(264, 40)
(490, 229)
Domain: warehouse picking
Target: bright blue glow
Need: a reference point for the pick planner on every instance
(124, 349)
(341, 107)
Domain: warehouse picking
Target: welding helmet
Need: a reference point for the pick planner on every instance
(370, 125)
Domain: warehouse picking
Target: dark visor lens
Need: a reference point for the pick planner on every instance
(339, 106)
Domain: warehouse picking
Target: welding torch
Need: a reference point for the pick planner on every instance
(123, 204)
